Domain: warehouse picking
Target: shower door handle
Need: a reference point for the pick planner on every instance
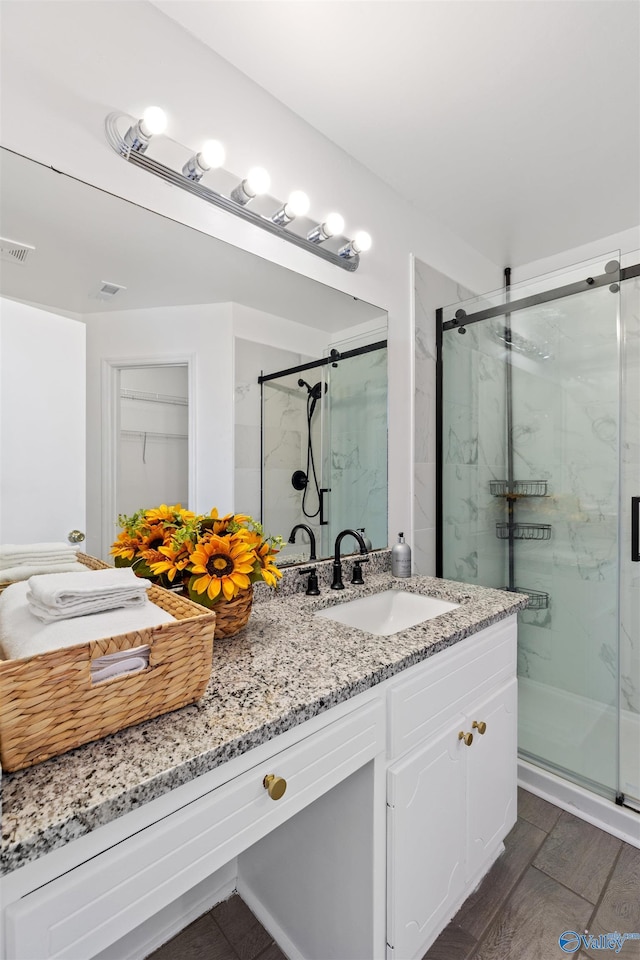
(635, 528)
(322, 491)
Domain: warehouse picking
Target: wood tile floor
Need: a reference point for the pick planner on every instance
(557, 873)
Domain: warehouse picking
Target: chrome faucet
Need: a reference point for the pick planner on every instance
(312, 538)
(337, 563)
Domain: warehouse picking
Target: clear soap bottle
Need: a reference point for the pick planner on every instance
(401, 558)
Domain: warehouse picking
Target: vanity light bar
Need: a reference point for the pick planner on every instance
(132, 146)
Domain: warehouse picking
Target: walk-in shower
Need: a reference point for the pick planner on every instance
(324, 447)
(538, 452)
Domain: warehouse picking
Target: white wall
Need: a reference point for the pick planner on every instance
(199, 335)
(65, 66)
(42, 472)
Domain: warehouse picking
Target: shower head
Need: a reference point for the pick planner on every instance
(315, 391)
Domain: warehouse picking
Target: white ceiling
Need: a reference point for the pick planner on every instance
(516, 123)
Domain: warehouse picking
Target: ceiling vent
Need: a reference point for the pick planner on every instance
(108, 290)
(13, 251)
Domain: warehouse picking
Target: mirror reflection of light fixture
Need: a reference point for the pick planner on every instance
(132, 147)
(152, 123)
(255, 184)
(360, 244)
(296, 206)
(332, 226)
(209, 158)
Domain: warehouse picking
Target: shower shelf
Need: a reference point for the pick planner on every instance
(538, 600)
(524, 531)
(519, 488)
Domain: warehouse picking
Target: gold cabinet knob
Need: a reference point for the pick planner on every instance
(275, 786)
(480, 726)
(467, 737)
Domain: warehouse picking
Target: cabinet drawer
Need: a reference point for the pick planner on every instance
(419, 705)
(92, 906)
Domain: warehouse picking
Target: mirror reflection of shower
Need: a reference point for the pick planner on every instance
(324, 449)
(301, 479)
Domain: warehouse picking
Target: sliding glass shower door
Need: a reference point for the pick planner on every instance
(531, 486)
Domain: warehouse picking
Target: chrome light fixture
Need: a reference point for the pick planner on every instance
(360, 244)
(132, 146)
(256, 183)
(332, 226)
(210, 157)
(152, 123)
(296, 206)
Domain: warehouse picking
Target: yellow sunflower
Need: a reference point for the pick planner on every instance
(266, 564)
(172, 560)
(166, 514)
(126, 546)
(220, 565)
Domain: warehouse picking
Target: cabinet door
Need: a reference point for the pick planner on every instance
(491, 775)
(426, 841)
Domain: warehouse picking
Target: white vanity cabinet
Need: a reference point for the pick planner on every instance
(385, 803)
(451, 795)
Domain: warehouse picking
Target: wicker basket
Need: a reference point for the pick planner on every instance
(49, 704)
(233, 615)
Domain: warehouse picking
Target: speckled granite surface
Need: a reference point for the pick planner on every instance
(285, 667)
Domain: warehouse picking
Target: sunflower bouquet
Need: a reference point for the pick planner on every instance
(213, 557)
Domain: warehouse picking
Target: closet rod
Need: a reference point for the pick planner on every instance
(141, 434)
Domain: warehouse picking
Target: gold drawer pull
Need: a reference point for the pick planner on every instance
(467, 737)
(275, 786)
(479, 726)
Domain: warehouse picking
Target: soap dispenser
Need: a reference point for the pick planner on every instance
(367, 542)
(401, 558)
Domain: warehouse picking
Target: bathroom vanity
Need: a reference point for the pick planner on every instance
(399, 757)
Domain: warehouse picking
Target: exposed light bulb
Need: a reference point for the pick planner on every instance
(296, 206)
(334, 224)
(211, 156)
(360, 244)
(153, 122)
(256, 183)
(362, 241)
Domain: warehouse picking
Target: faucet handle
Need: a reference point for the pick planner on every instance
(357, 570)
(312, 583)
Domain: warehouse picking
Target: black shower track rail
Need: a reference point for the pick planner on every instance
(336, 357)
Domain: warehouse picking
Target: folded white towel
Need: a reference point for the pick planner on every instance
(25, 571)
(61, 596)
(12, 554)
(23, 635)
(123, 661)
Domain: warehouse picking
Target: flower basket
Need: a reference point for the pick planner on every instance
(216, 559)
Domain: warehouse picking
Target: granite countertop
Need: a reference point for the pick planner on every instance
(285, 667)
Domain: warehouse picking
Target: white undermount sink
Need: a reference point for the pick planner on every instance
(387, 612)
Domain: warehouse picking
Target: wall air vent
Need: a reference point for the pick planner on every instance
(13, 251)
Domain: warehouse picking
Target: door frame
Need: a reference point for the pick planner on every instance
(110, 421)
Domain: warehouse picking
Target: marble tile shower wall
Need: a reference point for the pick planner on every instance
(432, 289)
(358, 477)
(283, 452)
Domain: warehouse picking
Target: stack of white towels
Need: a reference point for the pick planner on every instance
(19, 561)
(54, 610)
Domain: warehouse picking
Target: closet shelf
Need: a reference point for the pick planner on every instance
(151, 435)
(519, 488)
(523, 531)
(154, 397)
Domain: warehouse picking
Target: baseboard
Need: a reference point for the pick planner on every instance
(618, 821)
(168, 922)
(288, 947)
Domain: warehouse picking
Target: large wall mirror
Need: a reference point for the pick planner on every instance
(210, 375)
